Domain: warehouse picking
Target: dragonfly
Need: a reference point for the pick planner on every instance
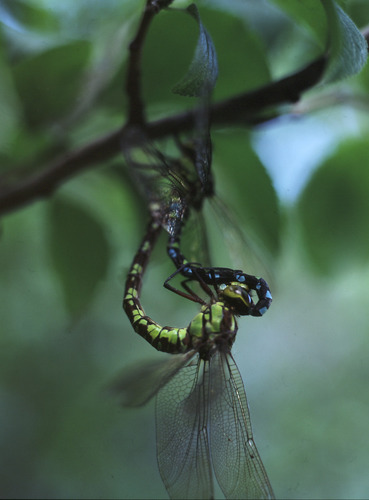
(203, 424)
(177, 186)
(191, 197)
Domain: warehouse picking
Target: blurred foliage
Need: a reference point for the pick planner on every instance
(335, 208)
(78, 249)
(41, 77)
(63, 261)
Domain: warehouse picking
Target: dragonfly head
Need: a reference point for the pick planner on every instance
(237, 296)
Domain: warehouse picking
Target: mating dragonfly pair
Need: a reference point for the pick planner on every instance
(202, 416)
(232, 295)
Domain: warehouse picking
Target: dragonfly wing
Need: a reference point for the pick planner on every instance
(246, 251)
(182, 435)
(135, 386)
(236, 461)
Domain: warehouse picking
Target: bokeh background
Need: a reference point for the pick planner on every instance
(298, 186)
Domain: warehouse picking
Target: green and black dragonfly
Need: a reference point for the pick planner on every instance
(175, 187)
(202, 416)
(191, 197)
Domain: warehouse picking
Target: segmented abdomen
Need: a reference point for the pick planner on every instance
(166, 339)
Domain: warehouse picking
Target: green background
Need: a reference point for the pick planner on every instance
(63, 334)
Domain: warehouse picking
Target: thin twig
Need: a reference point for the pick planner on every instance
(136, 113)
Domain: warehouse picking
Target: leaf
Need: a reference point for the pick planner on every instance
(79, 251)
(347, 48)
(50, 83)
(203, 71)
(241, 55)
(334, 210)
(164, 57)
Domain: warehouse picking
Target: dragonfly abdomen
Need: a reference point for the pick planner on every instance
(220, 275)
(166, 339)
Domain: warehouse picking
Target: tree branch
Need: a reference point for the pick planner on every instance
(244, 109)
(247, 108)
(136, 114)
(42, 184)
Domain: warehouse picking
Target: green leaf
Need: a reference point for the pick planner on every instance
(164, 58)
(50, 83)
(79, 251)
(242, 59)
(347, 48)
(241, 56)
(203, 71)
(334, 210)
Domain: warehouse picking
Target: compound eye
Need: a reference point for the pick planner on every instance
(238, 297)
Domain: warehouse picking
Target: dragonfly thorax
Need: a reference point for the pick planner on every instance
(214, 328)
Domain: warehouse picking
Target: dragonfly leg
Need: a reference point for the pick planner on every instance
(186, 270)
(189, 270)
(185, 285)
(201, 282)
(191, 295)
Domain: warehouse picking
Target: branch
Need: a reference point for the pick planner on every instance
(247, 108)
(136, 114)
(244, 109)
(44, 183)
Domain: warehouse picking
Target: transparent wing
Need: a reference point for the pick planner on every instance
(182, 433)
(236, 461)
(246, 251)
(195, 242)
(136, 385)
